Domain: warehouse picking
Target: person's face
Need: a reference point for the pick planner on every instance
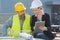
(37, 11)
(20, 13)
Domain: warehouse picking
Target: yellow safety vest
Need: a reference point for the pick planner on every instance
(16, 26)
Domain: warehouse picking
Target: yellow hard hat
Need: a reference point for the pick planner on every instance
(19, 7)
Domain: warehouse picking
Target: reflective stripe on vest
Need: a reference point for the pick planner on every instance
(16, 25)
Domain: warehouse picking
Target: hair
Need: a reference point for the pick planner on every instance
(40, 7)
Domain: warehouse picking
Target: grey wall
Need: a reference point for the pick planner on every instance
(0, 6)
(56, 2)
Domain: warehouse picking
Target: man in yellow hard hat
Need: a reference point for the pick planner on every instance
(17, 23)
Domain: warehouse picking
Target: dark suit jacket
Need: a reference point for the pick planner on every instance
(45, 18)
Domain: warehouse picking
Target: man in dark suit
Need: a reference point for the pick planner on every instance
(39, 15)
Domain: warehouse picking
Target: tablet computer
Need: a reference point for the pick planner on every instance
(37, 25)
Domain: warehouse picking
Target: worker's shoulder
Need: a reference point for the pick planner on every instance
(33, 16)
(46, 14)
(27, 15)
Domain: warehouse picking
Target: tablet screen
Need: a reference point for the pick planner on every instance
(37, 25)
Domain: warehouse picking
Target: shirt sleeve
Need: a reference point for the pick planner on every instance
(5, 26)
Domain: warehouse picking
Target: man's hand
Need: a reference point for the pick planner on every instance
(43, 28)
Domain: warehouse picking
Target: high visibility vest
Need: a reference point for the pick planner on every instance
(26, 28)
